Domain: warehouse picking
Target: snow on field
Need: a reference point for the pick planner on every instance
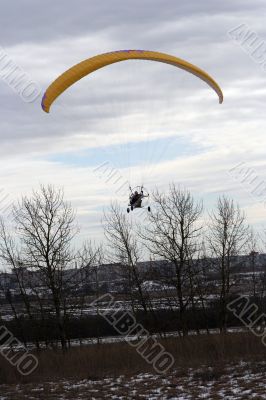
(160, 303)
(234, 382)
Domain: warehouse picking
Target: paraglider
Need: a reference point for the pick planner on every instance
(135, 198)
(90, 65)
(86, 67)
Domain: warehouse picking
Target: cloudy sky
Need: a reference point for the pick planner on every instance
(152, 123)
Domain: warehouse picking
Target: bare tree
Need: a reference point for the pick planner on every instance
(89, 260)
(45, 224)
(9, 253)
(228, 235)
(171, 234)
(203, 287)
(124, 248)
(253, 249)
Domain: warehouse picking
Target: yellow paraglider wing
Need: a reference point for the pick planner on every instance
(85, 67)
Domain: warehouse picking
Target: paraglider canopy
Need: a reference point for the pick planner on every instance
(90, 65)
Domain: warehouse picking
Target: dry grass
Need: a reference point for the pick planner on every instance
(112, 360)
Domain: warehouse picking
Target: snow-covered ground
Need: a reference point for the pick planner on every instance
(240, 381)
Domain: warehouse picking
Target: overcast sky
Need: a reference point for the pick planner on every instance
(154, 123)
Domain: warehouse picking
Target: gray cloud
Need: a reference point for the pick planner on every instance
(45, 38)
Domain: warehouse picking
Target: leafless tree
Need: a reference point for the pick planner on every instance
(124, 249)
(203, 287)
(253, 250)
(9, 254)
(89, 260)
(45, 225)
(49, 277)
(172, 233)
(227, 237)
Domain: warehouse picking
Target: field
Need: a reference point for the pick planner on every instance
(213, 366)
(240, 381)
